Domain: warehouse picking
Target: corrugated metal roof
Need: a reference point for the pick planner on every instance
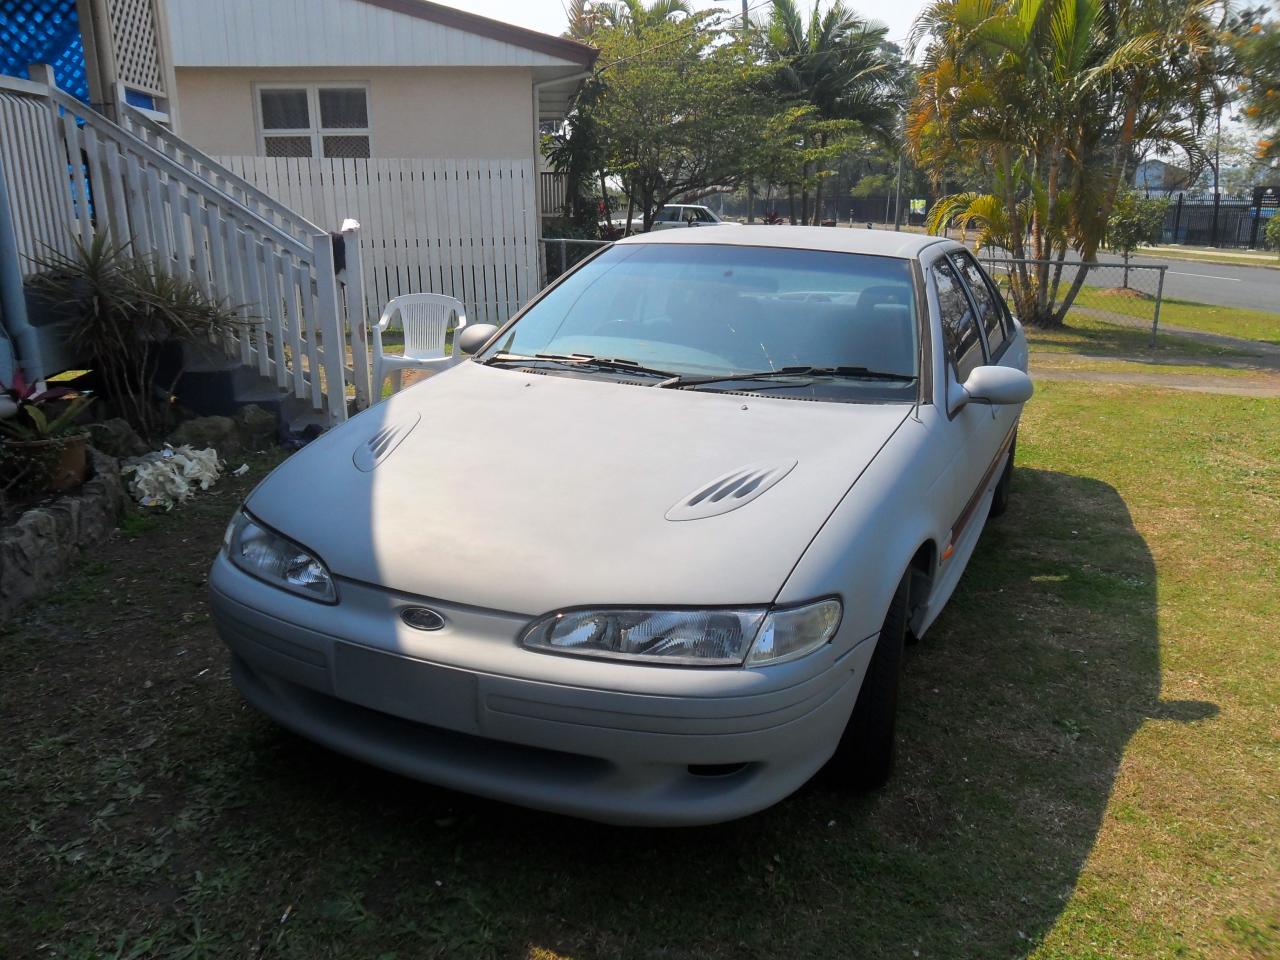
(363, 33)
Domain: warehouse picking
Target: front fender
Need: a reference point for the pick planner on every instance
(871, 536)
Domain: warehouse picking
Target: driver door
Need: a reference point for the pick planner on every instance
(975, 432)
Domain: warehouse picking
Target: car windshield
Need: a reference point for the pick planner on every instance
(814, 324)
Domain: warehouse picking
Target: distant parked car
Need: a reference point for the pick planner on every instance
(650, 555)
(671, 216)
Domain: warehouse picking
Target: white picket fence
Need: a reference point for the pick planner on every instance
(78, 173)
(466, 228)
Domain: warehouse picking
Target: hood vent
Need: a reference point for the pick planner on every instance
(380, 446)
(735, 489)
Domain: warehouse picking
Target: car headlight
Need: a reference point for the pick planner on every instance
(706, 638)
(795, 631)
(265, 554)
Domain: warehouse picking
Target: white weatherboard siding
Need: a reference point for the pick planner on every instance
(288, 33)
(467, 228)
(437, 112)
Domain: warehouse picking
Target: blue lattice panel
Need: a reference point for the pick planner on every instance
(43, 31)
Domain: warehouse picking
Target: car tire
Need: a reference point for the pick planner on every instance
(864, 757)
(1000, 499)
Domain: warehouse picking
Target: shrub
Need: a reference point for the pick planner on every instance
(122, 311)
(1273, 232)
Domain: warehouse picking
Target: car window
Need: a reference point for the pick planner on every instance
(704, 216)
(990, 310)
(959, 331)
(666, 215)
(711, 309)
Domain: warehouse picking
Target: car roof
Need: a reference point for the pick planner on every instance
(880, 243)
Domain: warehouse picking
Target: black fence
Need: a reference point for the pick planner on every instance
(1219, 221)
(858, 211)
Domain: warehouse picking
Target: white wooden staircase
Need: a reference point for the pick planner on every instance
(71, 172)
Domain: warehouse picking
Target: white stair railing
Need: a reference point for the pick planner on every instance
(196, 219)
(211, 171)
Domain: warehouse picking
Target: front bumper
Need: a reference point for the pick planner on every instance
(467, 708)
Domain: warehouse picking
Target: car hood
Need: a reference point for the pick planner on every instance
(522, 492)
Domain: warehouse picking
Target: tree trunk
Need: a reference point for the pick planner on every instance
(1058, 317)
(1126, 269)
(817, 186)
(791, 203)
(650, 209)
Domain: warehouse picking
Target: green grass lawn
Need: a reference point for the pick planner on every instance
(1055, 360)
(1087, 334)
(1089, 762)
(1229, 321)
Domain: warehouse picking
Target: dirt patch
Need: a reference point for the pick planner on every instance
(1229, 386)
(1126, 293)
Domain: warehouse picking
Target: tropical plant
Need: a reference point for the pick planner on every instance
(1256, 42)
(635, 16)
(41, 414)
(1273, 233)
(840, 66)
(586, 18)
(577, 152)
(121, 313)
(1056, 98)
(1135, 221)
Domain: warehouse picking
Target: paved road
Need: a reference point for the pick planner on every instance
(1256, 288)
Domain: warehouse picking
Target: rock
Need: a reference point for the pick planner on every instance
(116, 438)
(38, 549)
(257, 427)
(217, 432)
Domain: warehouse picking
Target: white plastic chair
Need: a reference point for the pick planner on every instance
(424, 318)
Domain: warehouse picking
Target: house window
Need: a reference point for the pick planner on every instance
(313, 120)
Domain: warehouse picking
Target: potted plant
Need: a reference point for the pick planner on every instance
(44, 449)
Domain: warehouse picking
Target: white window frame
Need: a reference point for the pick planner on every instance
(315, 131)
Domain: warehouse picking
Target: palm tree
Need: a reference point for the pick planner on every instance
(639, 18)
(837, 63)
(1055, 98)
(587, 18)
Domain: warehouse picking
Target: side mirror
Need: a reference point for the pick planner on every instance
(997, 385)
(474, 336)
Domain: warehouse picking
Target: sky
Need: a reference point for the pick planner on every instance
(548, 16)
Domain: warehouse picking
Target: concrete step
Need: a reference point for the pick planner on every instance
(213, 383)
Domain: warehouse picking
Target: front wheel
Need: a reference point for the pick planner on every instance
(864, 758)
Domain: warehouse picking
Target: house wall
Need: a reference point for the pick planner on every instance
(423, 112)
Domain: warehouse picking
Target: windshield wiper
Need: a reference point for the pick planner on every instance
(580, 360)
(852, 373)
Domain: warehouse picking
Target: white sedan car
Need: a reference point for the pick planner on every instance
(675, 215)
(650, 554)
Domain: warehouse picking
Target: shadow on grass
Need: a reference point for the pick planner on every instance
(1017, 709)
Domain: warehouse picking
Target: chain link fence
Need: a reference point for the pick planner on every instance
(1126, 295)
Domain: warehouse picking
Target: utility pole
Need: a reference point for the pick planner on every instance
(897, 197)
(751, 185)
(1217, 164)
